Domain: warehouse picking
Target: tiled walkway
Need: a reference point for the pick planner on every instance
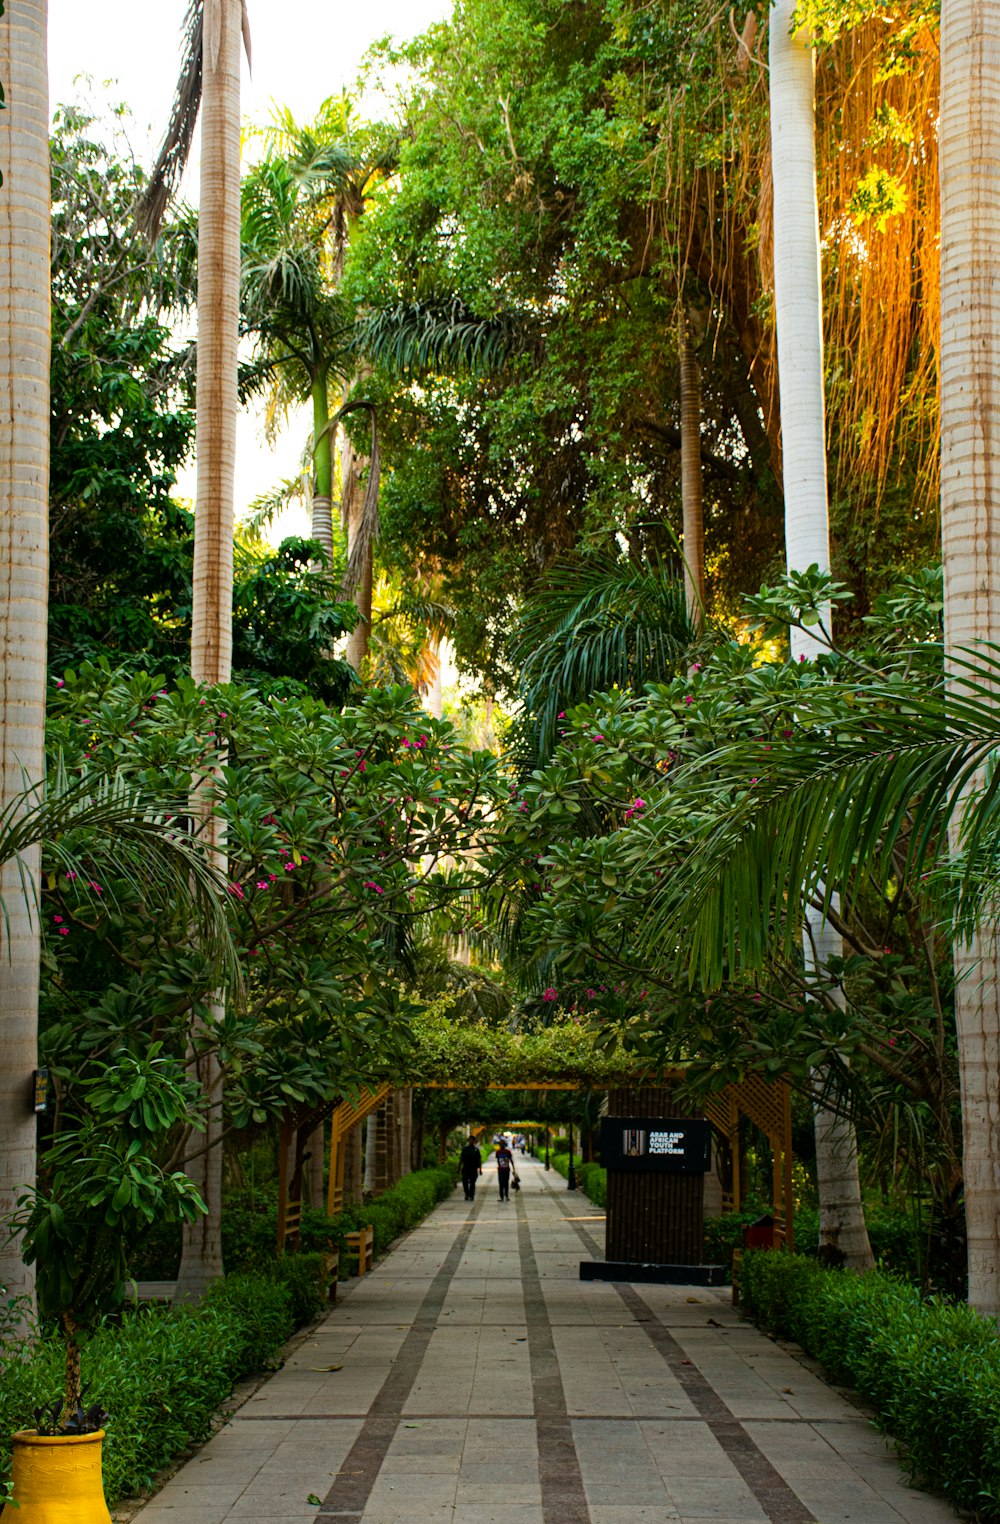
(474, 1379)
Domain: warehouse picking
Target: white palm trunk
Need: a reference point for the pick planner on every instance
(24, 483)
(798, 307)
(215, 444)
(970, 525)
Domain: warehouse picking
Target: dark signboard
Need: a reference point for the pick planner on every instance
(656, 1143)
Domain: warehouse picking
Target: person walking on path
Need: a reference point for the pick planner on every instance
(505, 1163)
(472, 1168)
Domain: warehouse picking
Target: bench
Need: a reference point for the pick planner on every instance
(363, 1244)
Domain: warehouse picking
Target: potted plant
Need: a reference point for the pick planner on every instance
(102, 1189)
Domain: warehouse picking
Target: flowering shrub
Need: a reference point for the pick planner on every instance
(343, 830)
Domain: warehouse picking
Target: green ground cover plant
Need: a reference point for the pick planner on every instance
(929, 1368)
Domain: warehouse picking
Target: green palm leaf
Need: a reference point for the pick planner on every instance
(139, 842)
(796, 826)
(592, 624)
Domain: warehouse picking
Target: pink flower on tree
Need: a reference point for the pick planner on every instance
(550, 994)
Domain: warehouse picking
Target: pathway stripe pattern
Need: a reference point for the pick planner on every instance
(474, 1379)
(776, 1498)
(348, 1497)
(563, 1498)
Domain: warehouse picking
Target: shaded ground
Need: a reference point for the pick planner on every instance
(474, 1379)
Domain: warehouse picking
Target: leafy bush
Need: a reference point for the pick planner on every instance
(592, 1179)
(152, 1374)
(930, 1369)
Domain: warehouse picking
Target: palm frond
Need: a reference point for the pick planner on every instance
(798, 824)
(176, 146)
(141, 843)
(439, 334)
(593, 623)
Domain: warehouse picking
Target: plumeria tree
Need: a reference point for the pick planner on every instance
(616, 835)
(345, 829)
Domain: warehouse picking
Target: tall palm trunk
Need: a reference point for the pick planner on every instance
(970, 524)
(322, 510)
(798, 307)
(215, 443)
(691, 484)
(24, 481)
(352, 508)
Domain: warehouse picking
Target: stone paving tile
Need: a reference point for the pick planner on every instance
(459, 1441)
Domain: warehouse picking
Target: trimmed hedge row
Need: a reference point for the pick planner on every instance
(930, 1369)
(249, 1225)
(591, 1178)
(163, 1372)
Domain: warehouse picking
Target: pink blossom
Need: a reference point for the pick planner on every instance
(64, 931)
(60, 683)
(786, 735)
(235, 889)
(262, 883)
(96, 887)
(203, 701)
(289, 867)
(550, 994)
(598, 738)
(561, 715)
(689, 698)
(71, 875)
(57, 919)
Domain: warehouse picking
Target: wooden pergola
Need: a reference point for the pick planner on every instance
(766, 1103)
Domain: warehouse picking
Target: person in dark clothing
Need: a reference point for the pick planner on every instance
(505, 1163)
(472, 1168)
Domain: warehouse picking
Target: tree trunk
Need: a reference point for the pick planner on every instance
(352, 507)
(353, 1186)
(970, 524)
(24, 476)
(404, 1111)
(322, 512)
(798, 310)
(215, 446)
(316, 1147)
(798, 302)
(371, 1152)
(694, 522)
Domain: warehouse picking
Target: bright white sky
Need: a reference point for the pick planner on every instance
(303, 51)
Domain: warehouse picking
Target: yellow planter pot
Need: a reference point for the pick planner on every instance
(58, 1480)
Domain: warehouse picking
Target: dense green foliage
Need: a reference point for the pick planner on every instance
(151, 1372)
(930, 1370)
(609, 899)
(122, 427)
(250, 1222)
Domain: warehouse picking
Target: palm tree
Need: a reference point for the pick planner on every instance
(798, 307)
(24, 474)
(210, 79)
(591, 624)
(970, 524)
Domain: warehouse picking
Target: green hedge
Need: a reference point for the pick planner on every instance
(591, 1178)
(164, 1371)
(930, 1369)
(250, 1223)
